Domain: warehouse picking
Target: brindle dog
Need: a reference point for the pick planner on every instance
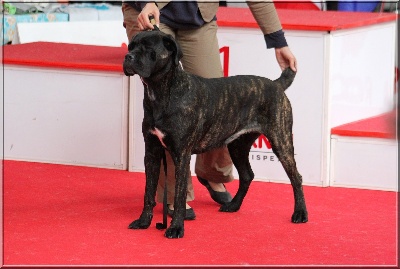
(187, 114)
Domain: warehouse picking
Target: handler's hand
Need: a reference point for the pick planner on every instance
(143, 18)
(286, 58)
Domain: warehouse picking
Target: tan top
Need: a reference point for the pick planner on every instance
(264, 13)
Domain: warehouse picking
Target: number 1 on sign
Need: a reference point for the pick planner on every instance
(225, 51)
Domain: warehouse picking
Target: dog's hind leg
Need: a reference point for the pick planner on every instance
(239, 150)
(152, 161)
(282, 145)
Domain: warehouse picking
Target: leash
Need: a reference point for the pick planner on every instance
(153, 21)
(163, 225)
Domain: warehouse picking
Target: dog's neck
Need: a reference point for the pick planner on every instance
(158, 85)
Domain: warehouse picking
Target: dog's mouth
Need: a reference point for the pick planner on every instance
(128, 71)
(131, 69)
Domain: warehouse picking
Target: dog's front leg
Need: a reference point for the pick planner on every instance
(182, 170)
(152, 163)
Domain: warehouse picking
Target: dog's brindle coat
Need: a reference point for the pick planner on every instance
(188, 114)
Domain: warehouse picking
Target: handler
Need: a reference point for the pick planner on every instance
(193, 25)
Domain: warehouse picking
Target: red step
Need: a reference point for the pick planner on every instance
(380, 126)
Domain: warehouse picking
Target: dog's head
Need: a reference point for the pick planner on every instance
(150, 52)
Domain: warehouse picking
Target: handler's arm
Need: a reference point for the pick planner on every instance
(267, 18)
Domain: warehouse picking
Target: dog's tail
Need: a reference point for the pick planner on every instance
(286, 78)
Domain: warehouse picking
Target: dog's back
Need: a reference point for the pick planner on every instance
(239, 88)
(284, 81)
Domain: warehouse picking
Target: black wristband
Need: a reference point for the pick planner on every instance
(275, 40)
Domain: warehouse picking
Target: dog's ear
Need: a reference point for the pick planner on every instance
(171, 45)
(131, 43)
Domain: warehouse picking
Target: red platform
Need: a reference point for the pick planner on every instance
(61, 55)
(309, 20)
(381, 126)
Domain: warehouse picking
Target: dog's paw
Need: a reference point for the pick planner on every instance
(139, 224)
(300, 216)
(229, 207)
(174, 232)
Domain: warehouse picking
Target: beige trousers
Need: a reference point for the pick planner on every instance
(200, 57)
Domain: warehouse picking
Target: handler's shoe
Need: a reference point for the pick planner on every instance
(189, 213)
(218, 196)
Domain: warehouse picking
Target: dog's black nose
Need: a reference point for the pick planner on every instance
(128, 57)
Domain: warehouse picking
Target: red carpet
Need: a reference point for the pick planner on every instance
(66, 215)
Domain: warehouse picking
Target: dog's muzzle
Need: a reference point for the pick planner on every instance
(127, 66)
